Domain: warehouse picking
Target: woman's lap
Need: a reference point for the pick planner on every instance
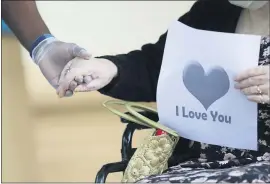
(254, 172)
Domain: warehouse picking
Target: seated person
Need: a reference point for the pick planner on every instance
(134, 76)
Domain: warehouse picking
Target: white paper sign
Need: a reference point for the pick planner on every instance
(196, 95)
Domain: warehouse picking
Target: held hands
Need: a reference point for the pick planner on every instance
(254, 83)
(52, 56)
(82, 75)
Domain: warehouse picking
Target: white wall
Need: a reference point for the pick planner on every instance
(102, 27)
(60, 145)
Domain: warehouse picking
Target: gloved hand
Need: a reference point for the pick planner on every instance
(52, 55)
(254, 83)
(89, 75)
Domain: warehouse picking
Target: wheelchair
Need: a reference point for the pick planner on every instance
(178, 155)
(145, 118)
(126, 150)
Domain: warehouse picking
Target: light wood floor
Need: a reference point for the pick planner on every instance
(73, 148)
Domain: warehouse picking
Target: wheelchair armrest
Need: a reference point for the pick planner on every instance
(110, 168)
(150, 115)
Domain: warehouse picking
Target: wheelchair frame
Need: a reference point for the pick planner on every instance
(126, 151)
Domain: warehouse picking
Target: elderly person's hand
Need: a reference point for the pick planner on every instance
(86, 75)
(254, 83)
(52, 55)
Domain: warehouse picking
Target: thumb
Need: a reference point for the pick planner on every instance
(94, 85)
(77, 51)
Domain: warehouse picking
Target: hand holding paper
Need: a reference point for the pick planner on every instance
(196, 95)
(254, 83)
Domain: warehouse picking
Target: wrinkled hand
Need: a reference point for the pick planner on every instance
(254, 83)
(86, 75)
(52, 56)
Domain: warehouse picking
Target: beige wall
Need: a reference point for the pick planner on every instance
(48, 139)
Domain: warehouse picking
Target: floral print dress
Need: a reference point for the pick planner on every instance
(223, 164)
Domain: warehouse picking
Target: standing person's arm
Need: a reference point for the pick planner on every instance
(50, 54)
(24, 20)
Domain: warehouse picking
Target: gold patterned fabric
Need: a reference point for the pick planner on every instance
(151, 157)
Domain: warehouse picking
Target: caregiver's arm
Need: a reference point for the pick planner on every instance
(24, 20)
(50, 54)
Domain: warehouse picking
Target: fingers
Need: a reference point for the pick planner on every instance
(68, 93)
(252, 81)
(72, 85)
(260, 70)
(61, 90)
(87, 79)
(79, 79)
(68, 81)
(263, 99)
(255, 90)
(83, 79)
(94, 85)
(65, 71)
(77, 51)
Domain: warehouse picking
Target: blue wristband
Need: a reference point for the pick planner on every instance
(38, 40)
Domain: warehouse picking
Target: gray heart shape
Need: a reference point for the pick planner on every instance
(206, 88)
